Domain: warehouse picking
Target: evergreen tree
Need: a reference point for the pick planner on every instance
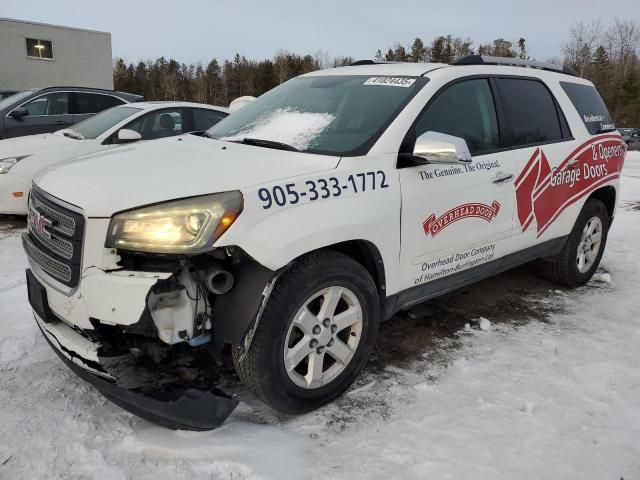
(120, 75)
(522, 49)
(389, 57)
(600, 73)
(437, 50)
(418, 51)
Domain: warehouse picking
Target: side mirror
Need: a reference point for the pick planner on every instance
(128, 136)
(435, 147)
(19, 113)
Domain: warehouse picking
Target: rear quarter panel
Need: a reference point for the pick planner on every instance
(556, 180)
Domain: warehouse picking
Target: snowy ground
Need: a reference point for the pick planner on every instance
(550, 390)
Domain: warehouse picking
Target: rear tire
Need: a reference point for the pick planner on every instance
(581, 255)
(315, 334)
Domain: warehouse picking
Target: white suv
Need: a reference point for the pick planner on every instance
(286, 234)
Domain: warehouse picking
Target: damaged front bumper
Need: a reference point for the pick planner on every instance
(172, 396)
(151, 332)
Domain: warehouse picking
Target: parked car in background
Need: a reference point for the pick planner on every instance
(45, 110)
(21, 158)
(240, 102)
(7, 93)
(631, 136)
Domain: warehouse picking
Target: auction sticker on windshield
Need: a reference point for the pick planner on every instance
(391, 81)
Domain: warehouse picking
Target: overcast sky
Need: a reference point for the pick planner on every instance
(198, 30)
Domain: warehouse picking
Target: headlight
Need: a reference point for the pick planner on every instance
(7, 163)
(191, 225)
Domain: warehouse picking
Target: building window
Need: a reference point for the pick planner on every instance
(39, 48)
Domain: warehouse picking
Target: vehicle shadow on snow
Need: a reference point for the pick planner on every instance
(415, 341)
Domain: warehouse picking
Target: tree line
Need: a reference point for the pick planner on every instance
(215, 83)
(608, 55)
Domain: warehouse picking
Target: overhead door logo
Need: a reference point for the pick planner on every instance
(432, 225)
(544, 193)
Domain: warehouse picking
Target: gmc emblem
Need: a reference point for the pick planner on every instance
(40, 223)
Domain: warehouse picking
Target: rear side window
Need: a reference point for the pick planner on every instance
(530, 112)
(464, 110)
(205, 119)
(94, 103)
(590, 106)
(159, 124)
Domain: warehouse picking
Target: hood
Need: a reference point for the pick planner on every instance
(32, 144)
(40, 151)
(107, 182)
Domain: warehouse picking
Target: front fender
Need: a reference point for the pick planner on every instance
(277, 235)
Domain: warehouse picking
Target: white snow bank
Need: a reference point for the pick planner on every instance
(601, 278)
(285, 125)
(484, 324)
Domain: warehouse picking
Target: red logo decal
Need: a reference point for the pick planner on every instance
(40, 223)
(543, 193)
(432, 225)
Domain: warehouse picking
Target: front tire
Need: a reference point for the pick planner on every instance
(314, 336)
(581, 255)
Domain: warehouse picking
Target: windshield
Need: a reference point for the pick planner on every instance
(93, 127)
(16, 97)
(335, 115)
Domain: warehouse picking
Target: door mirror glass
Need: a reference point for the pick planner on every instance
(437, 147)
(19, 112)
(127, 136)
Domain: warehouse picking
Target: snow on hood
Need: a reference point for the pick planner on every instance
(32, 144)
(110, 181)
(286, 125)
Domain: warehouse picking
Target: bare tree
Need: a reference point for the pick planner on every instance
(621, 41)
(583, 40)
(323, 59)
(281, 62)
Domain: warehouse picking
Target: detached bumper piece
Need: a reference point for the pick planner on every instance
(170, 405)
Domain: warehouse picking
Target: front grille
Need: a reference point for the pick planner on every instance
(56, 247)
(49, 264)
(54, 242)
(64, 224)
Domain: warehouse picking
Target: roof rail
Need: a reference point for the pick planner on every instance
(516, 62)
(93, 89)
(371, 62)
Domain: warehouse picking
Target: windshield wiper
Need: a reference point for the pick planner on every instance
(258, 142)
(72, 134)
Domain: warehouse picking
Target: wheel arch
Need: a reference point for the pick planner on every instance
(368, 255)
(606, 195)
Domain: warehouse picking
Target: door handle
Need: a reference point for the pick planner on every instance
(502, 177)
(59, 122)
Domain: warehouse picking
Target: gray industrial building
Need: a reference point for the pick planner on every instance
(39, 55)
